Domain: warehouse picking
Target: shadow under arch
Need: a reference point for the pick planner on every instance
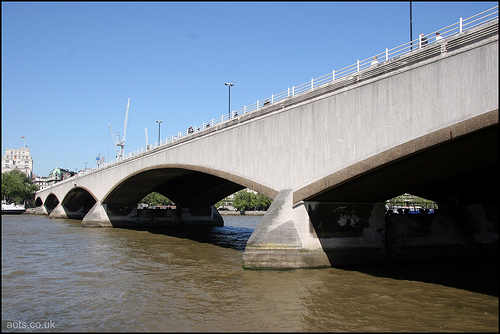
(78, 202)
(183, 184)
(51, 202)
(187, 186)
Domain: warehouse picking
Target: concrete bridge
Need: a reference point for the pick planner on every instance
(424, 123)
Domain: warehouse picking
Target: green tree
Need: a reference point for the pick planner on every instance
(18, 188)
(245, 200)
(263, 202)
(241, 200)
(409, 199)
(154, 199)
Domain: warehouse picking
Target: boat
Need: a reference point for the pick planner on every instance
(12, 208)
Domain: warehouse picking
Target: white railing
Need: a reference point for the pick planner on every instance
(455, 29)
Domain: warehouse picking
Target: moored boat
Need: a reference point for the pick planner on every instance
(12, 208)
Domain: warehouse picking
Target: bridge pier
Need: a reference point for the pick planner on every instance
(315, 234)
(284, 239)
(104, 215)
(201, 215)
(41, 210)
(320, 234)
(97, 217)
(58, 212)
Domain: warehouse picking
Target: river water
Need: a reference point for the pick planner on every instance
(58, 276)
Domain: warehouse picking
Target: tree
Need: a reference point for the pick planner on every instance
(154, 199)
(17, 187)
(409, 199)
(245, 200)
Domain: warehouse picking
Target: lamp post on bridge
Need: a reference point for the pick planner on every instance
(85, 162)
(159, 122)
(229, 84)
(411, 27)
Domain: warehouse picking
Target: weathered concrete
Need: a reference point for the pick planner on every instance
(284, 239)
(424, 123)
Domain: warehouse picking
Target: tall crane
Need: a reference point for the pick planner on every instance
(120, 144)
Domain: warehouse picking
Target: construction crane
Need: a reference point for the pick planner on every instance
(120, 144)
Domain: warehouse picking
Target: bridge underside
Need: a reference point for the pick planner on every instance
(459, 172)
(193, 192)
(184, 187)
(347, 223)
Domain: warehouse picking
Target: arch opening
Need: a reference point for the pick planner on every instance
(77, 203)
(193, 191)
(51, 202)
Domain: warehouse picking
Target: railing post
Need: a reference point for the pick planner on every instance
(461, 25)
(333, 75)
(312, 83)
(257, 104)
(293, 90)
(358, 65)
(272, 98)
(386, 54)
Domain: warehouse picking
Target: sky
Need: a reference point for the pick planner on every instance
(68, 68)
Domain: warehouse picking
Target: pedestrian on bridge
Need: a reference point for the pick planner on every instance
(439, 38)
(423, 40)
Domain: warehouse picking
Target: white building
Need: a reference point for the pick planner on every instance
(41, 181)
(18, 158)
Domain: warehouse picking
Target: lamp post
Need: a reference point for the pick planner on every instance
(159, 122)
(85, 162)
(229, 84)
(411, 26)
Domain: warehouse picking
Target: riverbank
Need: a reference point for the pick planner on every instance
(242, 213)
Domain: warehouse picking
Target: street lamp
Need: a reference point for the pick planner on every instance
(159, 122)
(411, 27)
(229, 84)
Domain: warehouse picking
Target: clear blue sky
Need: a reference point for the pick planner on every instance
(68, 68)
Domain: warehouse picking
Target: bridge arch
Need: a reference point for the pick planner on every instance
(182, 183)
(464, 154)
(51, 202)
(78, 202)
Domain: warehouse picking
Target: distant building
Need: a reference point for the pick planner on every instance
(41, 181)
(59, 174)
(18, 158)
(55, 175)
